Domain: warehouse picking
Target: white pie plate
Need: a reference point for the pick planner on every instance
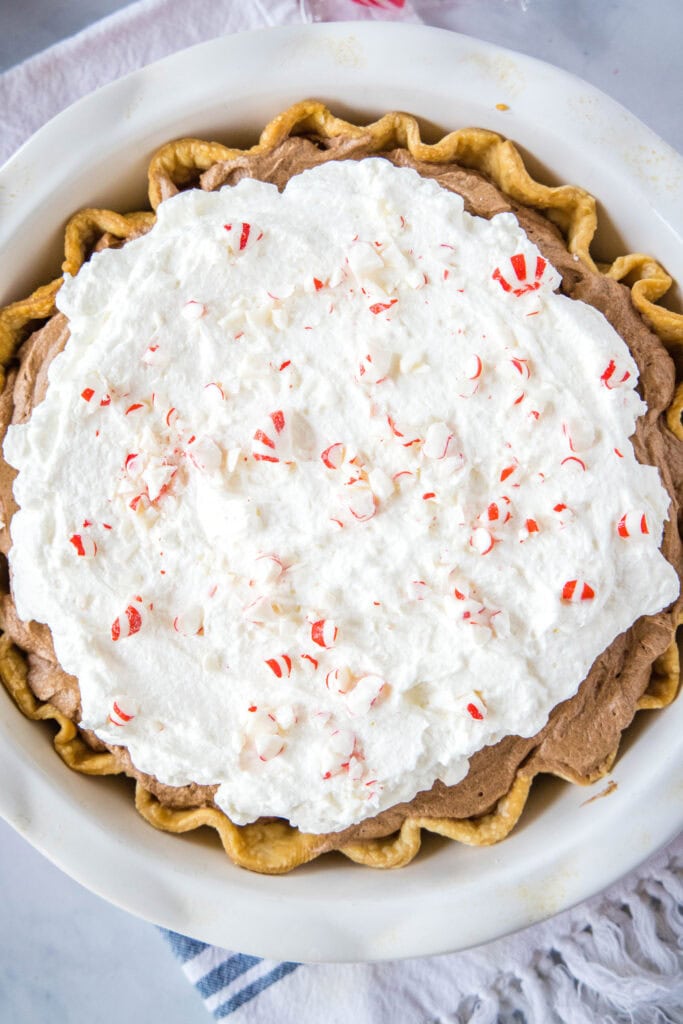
(451, 897)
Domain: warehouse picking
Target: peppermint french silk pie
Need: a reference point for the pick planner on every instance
(340, 492)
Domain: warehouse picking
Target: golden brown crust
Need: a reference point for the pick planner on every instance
(15, 317)
(674, 414)
(572, 208)
(273, 846)
(82, 232)
(649, 282)
(180, 163)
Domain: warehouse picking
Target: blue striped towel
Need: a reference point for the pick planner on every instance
(617, 957)
(227, 982)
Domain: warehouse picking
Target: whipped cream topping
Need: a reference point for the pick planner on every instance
(329, 490)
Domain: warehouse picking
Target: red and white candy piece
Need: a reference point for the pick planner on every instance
(466, 605)
(155, 355)
(382, 307)
(172, 418)
(364, 260)
(497, 511)
(563, 514)
(324, 632)
(476, 707)
(263, 731)
(242, 236)
(403, 478)
(381, 485)
(85, 545)
(314, 284)
(615, 375)
(309, 663)
(472, 367)
(375, 365)
(338, 750)
(214, 391)
(136, 407)
(267, 569)
(530, 527)
(268, 745)
(190, 622)
(334, 456)
(351, 469)
(95, 397)
(157, 476)
(632, 524)
(341, 743)
(285, 716)
(439, 442)
(406, 436)
(126, 624)
(470, 609)
(573, 462)
(508, 470)
(133, 465)
(361, 501)
(339, 680)
(575, 591)
(139, 503)
(470, 375)
(528, 276)
(193, 310)
(269, 444)
(280, 666)
(520, 363)
(123, 710)
(579, 435)
(460, 587)
(365, 694)
(464, 591)
(205, 454)
(482, 540)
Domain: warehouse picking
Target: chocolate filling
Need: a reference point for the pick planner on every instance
(583, 732)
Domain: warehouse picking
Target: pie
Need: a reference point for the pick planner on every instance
(331, 523)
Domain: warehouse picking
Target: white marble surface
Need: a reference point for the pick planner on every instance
(65, 955)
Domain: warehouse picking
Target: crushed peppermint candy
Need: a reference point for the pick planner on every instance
(281, 666)
(85, 545)
(127, 624)
(123, 710)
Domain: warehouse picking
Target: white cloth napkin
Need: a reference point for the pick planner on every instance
(33, 92)
(617, 957)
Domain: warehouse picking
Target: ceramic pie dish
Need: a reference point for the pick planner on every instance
(436, 36)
